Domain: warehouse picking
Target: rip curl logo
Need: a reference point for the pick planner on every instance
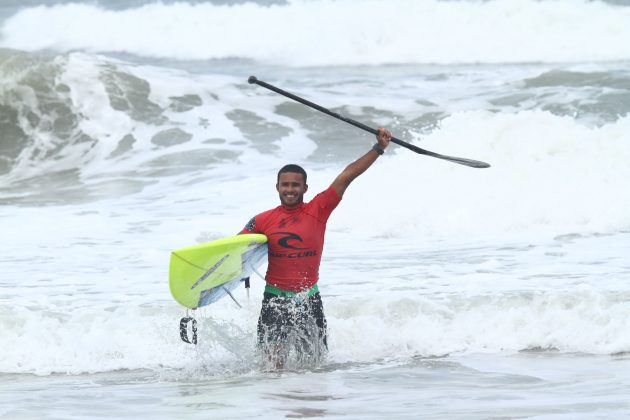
(284, 242)
(289, 236)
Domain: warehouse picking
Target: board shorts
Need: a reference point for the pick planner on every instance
(296, 320)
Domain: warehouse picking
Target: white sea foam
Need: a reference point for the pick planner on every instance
(453, 260)
(45, 340)
(578, 320)
(336, 32)
(549, 175)
(552, 174)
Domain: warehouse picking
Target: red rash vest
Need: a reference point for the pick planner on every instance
(296, 240)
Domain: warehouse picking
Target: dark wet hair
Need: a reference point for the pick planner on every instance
(295, 169)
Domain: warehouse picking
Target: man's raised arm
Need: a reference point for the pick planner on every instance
(360, 165)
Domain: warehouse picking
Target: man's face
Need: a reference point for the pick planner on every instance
(291, 188)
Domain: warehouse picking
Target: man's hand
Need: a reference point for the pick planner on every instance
(383, 137)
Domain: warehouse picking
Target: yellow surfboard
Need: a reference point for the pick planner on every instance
(202, 274)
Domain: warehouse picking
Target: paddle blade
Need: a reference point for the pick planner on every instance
(462, 161)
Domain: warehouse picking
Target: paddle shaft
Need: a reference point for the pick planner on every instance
(461, 161)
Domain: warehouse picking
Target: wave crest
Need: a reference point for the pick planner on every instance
(341, 32)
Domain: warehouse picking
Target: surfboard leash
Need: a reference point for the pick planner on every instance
(183, 329)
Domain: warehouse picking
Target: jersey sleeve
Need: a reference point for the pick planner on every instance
(326, 202)
(258, 223)
(250, 227)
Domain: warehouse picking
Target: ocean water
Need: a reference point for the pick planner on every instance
(128, 129)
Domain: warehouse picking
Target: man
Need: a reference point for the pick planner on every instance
(292, 315)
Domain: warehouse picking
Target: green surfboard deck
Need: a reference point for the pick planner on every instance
(201, 274)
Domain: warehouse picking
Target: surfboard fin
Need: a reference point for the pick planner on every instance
(257, 273)
(246, 280)
(230, 294)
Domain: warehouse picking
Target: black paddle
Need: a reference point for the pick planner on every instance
(461, 161)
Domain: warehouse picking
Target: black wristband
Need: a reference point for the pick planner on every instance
(378, 149)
